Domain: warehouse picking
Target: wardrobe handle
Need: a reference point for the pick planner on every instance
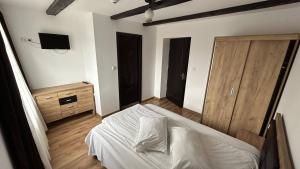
(232, 91)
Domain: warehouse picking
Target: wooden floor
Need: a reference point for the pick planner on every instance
(66, 141)
(66, 138)
(165, 103)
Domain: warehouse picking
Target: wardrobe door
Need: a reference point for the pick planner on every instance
(259, 79)
(225, 75)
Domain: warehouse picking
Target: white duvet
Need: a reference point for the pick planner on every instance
(112, 142)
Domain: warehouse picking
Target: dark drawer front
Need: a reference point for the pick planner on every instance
(67, 100)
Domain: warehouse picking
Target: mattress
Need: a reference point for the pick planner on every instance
(112, 142)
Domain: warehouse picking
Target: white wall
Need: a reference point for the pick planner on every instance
(165, 67)
(44, 68)
(290, 108)
(90, 62)
(106, 49)
(202, 33)
(148, 71)
(4, 158)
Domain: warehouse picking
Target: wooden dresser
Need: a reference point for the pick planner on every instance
(58, 102)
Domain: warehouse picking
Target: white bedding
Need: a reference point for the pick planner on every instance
(112, 142)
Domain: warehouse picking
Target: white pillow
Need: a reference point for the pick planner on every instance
(187, 150)
(152, 135)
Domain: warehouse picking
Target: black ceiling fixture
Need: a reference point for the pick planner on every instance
(57, 6)
(224, 11)
(153, 4)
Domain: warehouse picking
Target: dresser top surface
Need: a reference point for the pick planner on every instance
(47, 90)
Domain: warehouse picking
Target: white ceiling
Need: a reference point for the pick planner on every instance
(105, 7)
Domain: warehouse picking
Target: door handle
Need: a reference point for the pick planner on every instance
(182, 76)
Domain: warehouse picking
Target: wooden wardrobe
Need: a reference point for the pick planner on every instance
(246, 79)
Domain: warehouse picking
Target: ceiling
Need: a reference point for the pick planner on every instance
(105, 7)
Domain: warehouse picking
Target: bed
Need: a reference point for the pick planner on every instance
(112, 141)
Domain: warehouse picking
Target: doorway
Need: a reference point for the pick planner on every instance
(178, 63)
(129, 51)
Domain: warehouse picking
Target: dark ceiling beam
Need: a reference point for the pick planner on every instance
(57, 6)
(142, 9)
(230, 10)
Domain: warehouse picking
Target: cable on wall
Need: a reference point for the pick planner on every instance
(30, 41)
(34, 44)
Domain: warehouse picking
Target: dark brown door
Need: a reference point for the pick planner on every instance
(178, 63)
(129, 47)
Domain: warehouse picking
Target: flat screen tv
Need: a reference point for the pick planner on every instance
(54, 41)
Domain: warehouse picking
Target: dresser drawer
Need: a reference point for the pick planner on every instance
(47, 98)
(85, 90)
(46, 106)
(67, 93)
(69, 112)
(68, 106)
(51, 116)
(86, 100)
(85, 107)
(87, 103)
(69, 109)
(50, 110)
(84, 95)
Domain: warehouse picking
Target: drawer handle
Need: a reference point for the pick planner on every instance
(49, 97)
(70, 106)
(68, 100)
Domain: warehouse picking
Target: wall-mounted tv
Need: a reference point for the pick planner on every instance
(54, 41)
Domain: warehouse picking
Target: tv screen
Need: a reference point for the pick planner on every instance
(54, 41)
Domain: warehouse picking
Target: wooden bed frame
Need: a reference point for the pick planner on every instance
(285, 159)
(275, 152)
